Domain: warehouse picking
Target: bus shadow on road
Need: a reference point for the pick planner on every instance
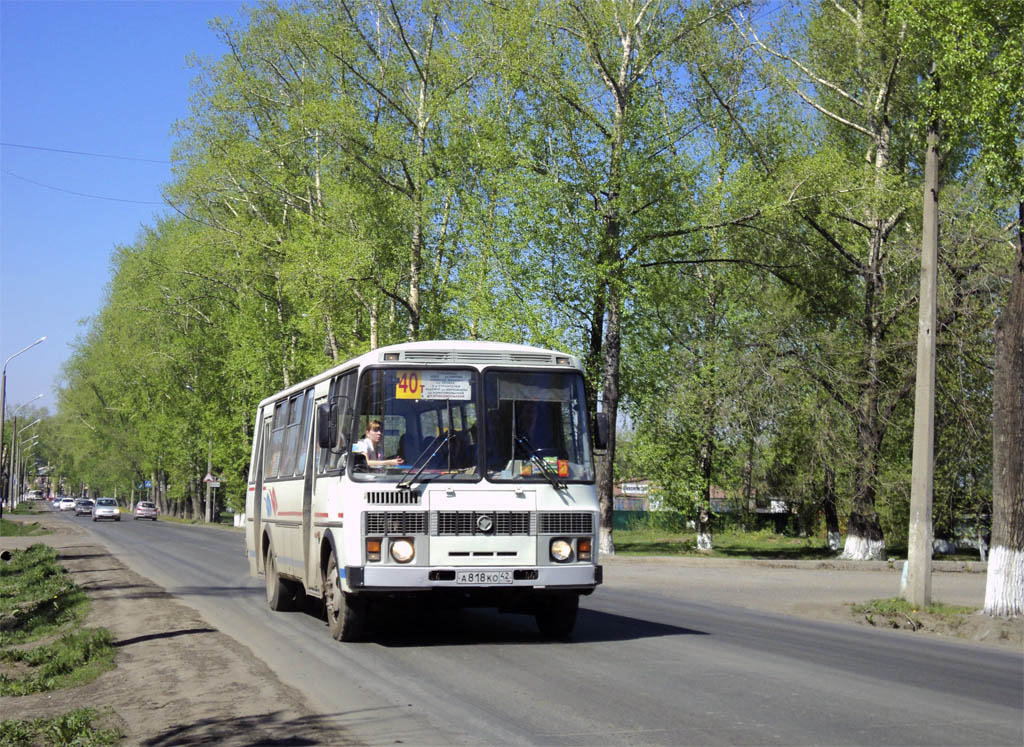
(487, 626)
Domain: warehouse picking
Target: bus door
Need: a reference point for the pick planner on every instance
(310, 570)
(257, 507)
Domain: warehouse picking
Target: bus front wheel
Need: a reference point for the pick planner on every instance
(346, 613)
(279, 592)
(556, 615)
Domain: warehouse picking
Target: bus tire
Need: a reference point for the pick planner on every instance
(346, 613)
(556, 615)
(279, 592)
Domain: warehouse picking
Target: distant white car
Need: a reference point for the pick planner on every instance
(66, 504)
(146, 510)
(106, 508)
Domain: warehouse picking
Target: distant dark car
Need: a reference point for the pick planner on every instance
(145, 510)
(106, 508)
(83, 507)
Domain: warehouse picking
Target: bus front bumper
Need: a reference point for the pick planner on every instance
(414, 578)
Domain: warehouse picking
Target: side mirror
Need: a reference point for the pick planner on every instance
(327, 426)
(601, 437)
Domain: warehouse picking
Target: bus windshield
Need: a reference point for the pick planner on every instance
(433, 424)
(537, 427)
(417, 419)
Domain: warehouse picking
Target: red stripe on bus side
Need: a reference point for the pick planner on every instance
(289, 513)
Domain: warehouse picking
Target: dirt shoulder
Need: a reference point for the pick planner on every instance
(179, 681)
(176, 680)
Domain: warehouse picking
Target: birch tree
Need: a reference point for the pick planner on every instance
(603, 116)
(853, 73)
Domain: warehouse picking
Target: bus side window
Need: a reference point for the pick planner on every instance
(340, 397)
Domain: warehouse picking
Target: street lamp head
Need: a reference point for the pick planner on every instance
(41, 339)
(28, 402)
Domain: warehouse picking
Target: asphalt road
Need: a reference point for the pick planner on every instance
(656, 659)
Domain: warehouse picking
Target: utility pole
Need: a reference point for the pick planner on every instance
(919, 546)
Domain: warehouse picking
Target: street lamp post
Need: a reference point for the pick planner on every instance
(3, 389)
(6, 484)
(15, 455)
(19, 476)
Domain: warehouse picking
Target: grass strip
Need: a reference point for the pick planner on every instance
(37, 596)
(72, 728)
(21, 529)
(74, 659)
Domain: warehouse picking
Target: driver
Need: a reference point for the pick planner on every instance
(369, 447)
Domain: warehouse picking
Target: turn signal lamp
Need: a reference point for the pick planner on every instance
(373, 550)
(583, 548)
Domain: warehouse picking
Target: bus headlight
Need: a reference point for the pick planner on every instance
(561, 550)
(402, 550)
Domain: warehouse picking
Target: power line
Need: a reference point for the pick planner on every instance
(81, 153)
(79, 194)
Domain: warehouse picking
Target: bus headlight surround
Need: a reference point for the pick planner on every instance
(561, 550)
(402, 550)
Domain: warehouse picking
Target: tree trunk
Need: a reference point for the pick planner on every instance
(610, 405)
(705, 540)
(1004, 587)
(864, 540)
(193, 489)
(831, 511)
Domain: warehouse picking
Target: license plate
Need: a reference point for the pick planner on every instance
(483, 577)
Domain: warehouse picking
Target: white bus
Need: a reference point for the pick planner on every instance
(458, 472)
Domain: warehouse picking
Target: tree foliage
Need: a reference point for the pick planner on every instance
(715, 204)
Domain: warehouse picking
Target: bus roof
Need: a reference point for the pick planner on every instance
(444, 353)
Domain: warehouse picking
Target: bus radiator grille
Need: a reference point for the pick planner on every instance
(395, 522)
(566, 522)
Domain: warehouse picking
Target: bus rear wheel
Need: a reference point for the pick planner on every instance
(280, 593)
(556, 615)
(346, 613)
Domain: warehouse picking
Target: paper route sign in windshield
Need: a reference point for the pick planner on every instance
(433, 385)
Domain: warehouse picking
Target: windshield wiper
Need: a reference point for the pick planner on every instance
(406, 482)
(536, 459)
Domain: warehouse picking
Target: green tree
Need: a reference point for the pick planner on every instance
(598, 117)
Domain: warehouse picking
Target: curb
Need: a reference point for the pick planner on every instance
(893, 566)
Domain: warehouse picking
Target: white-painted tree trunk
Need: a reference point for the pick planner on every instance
(704, 541)
(861, 548)
(606, 545)
(835, 541)
(1004, 584)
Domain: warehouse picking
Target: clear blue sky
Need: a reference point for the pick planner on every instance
(106, 78)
